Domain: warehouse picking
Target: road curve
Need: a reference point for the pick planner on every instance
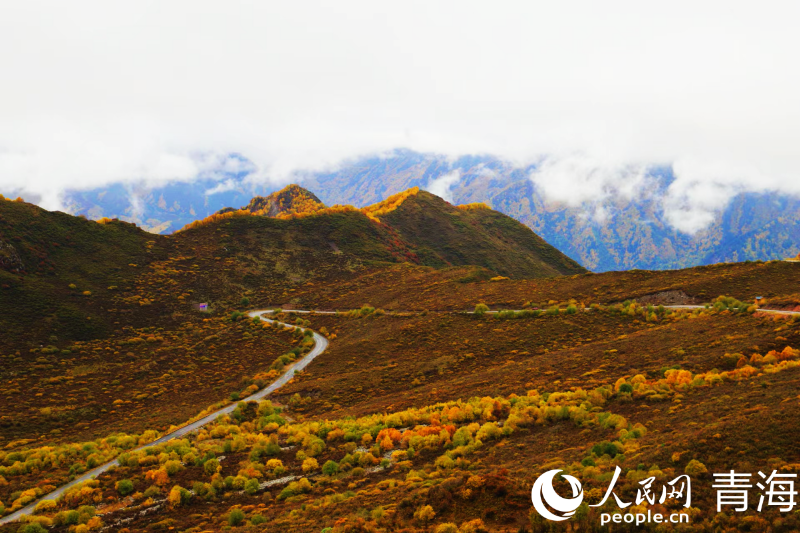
(320, 345)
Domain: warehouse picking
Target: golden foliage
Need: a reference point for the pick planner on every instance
(216, 218)
(473, 206)
(390, 204)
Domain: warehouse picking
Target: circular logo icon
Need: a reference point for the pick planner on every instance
(543, 493)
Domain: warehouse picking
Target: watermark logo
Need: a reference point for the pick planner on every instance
(545, 498)
(733, 493)
(544, 493)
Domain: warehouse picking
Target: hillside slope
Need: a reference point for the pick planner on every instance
(68, 278)
(420, 227)
(56, 270)
(475, 235)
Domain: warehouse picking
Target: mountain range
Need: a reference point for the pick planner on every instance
(612, 232)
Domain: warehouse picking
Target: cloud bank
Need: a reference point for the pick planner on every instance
(97, 92)
(442, 185)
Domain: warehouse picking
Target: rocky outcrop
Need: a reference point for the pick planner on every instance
(10, 259)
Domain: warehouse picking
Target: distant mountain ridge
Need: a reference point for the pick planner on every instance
(631, 233)
(427, 229)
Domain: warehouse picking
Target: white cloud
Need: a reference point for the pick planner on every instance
(95, 91)
(223, 186)
(577, 179)
(442, 185)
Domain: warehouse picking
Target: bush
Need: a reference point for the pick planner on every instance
(251, 487)
(244, 301)
(330, 468)
(258, 519)
(605, 448)
(239, 482)
(33, 527)
(481, 309)
(211, 467)
(124, 487)
(425, 513)
(447, 527)
(695, 468)
(294, 488)
(45, 506)
(309, 465)
(173, 467)
(473, 526)
(626, 387)
(179, 496)
(236, 517)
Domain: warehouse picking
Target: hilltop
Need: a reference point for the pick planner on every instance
(474, 234)
(290, 200)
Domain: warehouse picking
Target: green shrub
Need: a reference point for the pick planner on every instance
(481, 309)
(211, 466)
(33, 527)
(124, 487)
(236, 517)
(67, 518)
(251, 487)
(152, 492)
(605, 448)
(330, 468)
(244, 301)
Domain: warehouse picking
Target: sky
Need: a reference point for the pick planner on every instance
(95, 92)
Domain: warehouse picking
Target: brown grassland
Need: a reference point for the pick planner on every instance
(419, 417)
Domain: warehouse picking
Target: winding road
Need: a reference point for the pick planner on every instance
(320, 345)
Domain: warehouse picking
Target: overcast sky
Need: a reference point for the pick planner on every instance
(94, 92)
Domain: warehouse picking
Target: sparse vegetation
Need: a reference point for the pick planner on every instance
(420, 417)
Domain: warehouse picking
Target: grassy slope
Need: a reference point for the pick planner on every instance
(445, 235)
(406, 287)
(443, 357)
(57, 250)
(384, 363)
